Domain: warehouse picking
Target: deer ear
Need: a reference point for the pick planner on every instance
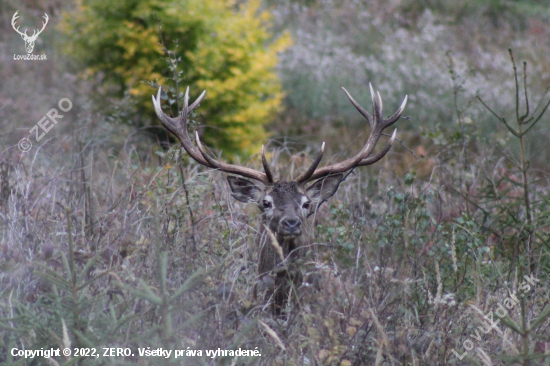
(324, 188)
(244, 190)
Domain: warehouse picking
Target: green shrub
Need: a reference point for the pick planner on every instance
(221, 47)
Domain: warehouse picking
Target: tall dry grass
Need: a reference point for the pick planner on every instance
(107, 240)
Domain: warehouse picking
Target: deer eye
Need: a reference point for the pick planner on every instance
(305, 206)
(267, 204)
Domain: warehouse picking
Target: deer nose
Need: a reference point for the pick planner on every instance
(291, 225)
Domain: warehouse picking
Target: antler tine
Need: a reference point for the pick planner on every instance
(376, 107)
(267, 170)
(14, 21)
(185, 111)
(305, 177)
(374, 158)
(178, 127)
(394, 117)
(196, 102)
(43, 24)
(361, 110)
(378, 125)
(212, 162)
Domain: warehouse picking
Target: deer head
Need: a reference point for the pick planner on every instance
(29, 40)
(285, 205)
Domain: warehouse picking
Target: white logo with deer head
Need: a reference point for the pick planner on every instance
(29, 40)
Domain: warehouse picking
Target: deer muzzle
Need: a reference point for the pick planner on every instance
(290, 226)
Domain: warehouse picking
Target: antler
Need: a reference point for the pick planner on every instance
(178, 127)
(377, 123)
(43, 26)
(24, 34)
(13, 21)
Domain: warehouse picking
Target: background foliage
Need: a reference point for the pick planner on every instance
(219, 46)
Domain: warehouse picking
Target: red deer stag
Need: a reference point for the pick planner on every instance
(285, 206)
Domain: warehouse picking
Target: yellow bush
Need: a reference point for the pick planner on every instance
(222, 47)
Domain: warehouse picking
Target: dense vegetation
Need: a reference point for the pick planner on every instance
(213, 45)
(108, 240)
